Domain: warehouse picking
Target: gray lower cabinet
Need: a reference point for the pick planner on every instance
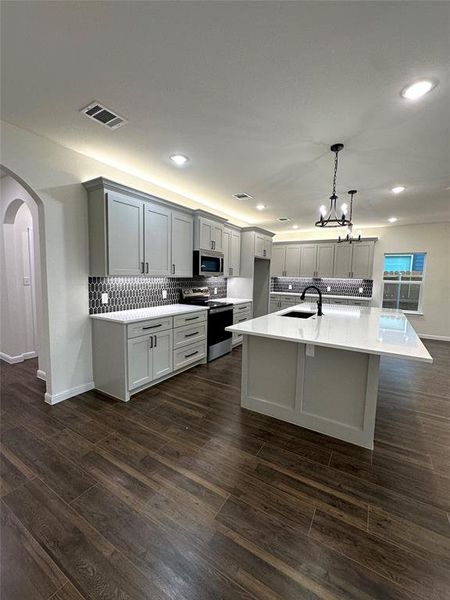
(241, 313)
(149, 358)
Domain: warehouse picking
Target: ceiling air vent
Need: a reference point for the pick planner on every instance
(242, 196)
(284, 219)
(106, 117)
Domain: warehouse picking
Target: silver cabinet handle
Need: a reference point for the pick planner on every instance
(146, 267)
(150, 341)
(156, 341)
(191, 354)
(173, 269)
(142, 267)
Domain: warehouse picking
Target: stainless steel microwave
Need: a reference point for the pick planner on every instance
(208, 263)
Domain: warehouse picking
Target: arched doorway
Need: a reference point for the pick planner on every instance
(24, 307)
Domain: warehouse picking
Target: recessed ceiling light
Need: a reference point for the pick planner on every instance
(398, 189)
(261, 206)
(392, 219)
(294, 226)
(418, 89)
(179, 159)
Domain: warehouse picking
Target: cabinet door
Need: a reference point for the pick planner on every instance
(217, 236)
(162, 354)
(342, 260)
(362, 259)
(227, 252)
(278, 264)
(206, 234)
(293, 255)
(259, 245)
(308, 260)
(268, 247)
(235, 254)
(140, 363)
(325, 260)
(125, 235)
(182, 244)
(157, 240)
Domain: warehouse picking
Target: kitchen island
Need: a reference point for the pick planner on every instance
(322, 372)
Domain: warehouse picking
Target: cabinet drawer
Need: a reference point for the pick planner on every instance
(241, 308)
(241, 317)
(183, 336)
(151, 326)
(188, 354)
(189, 318)
(237, 338)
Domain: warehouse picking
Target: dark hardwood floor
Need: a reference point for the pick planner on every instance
(181, 494)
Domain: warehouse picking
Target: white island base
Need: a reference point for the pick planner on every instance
(322, 372)
(324, 389)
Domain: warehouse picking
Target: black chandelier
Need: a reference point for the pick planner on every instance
(331, 218)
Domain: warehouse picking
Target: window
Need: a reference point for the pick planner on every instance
(403, 281)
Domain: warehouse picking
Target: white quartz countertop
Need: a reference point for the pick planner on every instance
(152, 312)
(324, 295)
(379, 331)
(233, 300)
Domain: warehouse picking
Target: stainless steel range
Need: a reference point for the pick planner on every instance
(220, 315)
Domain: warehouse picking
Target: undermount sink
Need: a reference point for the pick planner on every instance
(298, 314)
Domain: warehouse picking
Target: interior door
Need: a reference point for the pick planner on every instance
(362, 260)
(278, 263)
(182, 244)
(235, 253)
(162, 354)
(140, 361)
(125, 235)
(157, 240)
(342, 260)
(293, 255)
(325, 260)
(308, 260)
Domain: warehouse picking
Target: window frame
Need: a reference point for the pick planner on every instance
(399, 282)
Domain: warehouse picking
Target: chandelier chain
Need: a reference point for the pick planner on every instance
(335, 172)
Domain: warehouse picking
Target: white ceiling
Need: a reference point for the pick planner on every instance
(253, 92)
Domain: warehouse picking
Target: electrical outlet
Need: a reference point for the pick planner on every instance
(290, 286)
(215, 290)
(164, 294)
(360, 290)
(105, 298)
(328, 288)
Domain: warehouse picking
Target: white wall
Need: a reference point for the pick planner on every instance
(55, 174)
(434, 239)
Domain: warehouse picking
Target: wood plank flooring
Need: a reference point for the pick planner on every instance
(181, 494)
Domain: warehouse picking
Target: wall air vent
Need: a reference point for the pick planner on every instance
(108, 118)
(242, 196)
(284, 219)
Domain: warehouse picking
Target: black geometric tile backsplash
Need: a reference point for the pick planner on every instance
(339, 287)
(126, 293)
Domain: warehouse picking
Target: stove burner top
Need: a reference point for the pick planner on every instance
(200, 297)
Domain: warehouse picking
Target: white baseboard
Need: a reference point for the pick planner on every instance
(440, 338)
(12, 360)
(66, 394)
(41, 375)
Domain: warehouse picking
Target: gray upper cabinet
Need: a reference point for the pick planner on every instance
(343, 260)
(231, 252)
(182, 244)
(323, 259)
(208, 233)
(263, 245)
(125, 240)
(157, 239)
